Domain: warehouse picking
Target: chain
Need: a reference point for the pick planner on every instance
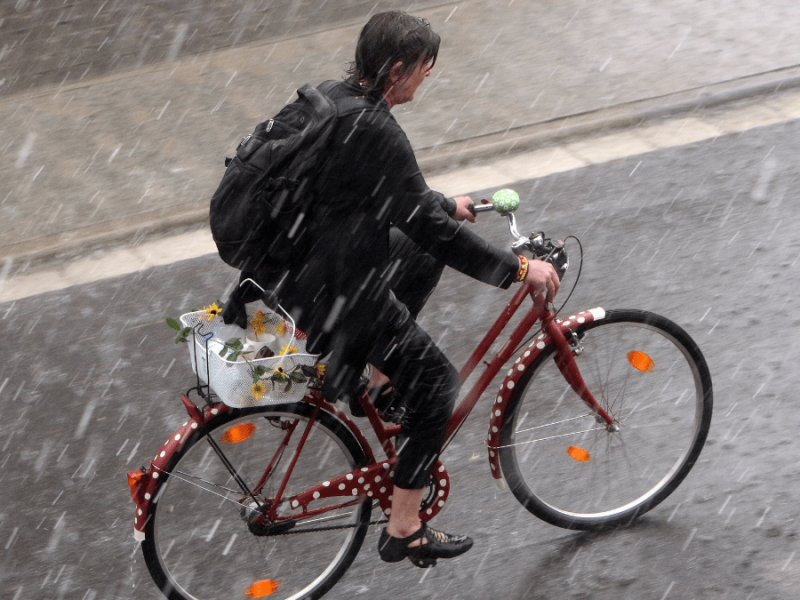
(328, 528)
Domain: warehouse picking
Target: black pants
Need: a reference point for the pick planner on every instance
(400, 348)
(419, 371)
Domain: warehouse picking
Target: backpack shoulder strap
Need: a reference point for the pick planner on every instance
(349, 104)
(353, 104)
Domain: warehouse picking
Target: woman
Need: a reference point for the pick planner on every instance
(341, 297)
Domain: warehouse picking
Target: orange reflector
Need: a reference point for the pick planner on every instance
(262, 588)
(134, 477)
(640, 361)
(238, 433)
(578, 453)
(134, 481)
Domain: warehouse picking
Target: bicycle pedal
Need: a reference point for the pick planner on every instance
(423, 563)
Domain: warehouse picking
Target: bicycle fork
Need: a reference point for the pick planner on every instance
(565, 361)
(553, 333)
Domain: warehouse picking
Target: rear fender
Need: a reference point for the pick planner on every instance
(145, 492)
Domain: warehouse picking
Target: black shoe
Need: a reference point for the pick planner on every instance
(435, 544)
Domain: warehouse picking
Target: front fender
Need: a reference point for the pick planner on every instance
(532, 352)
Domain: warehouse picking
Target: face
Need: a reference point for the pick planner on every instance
(403, 87)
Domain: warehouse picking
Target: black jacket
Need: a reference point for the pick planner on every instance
(369, 183)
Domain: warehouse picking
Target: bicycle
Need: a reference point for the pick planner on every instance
(597, 421)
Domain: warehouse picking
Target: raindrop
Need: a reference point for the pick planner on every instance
(85, 418)
(11, 538)
(687, 542)
(674, 510)
(788, 560)
(763, 516)
(133, 453)
(669, 589)
(125, 443)
(228, 546)
(158, 118)
(213, 530)
(180, 36)
(56, 535)
(25, 150)
(168, 368)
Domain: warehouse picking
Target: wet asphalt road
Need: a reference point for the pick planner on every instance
(704, 234)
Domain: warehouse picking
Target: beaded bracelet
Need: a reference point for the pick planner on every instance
(523, 268)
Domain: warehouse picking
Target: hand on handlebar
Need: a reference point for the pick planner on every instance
(464, 205)
(542, 277)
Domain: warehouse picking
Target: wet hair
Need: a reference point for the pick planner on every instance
(391, 37)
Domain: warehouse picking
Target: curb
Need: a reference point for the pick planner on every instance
(432, 160)
(627, 115)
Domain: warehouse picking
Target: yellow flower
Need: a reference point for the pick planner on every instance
(288, 349)
(279, 376)
(320, 370)
(259, 323)
(258, 389)
(281, 328)
(212, 311)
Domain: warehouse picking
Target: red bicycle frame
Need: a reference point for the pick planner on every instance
(373, 481)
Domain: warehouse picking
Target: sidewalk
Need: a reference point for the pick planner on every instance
(133, 156)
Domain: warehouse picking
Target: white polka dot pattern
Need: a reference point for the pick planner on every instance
(149, 485)
(497, 421)
(371, 482)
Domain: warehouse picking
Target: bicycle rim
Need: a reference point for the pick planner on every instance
(198, 545)
(564, 464)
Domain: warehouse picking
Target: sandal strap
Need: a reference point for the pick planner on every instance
(394, 549)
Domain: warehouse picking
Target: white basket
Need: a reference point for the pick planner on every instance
(233, 381)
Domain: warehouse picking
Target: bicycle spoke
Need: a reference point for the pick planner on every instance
(200, 549)
(640, 371)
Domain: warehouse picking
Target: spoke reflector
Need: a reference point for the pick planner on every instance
(262, 588)
(238, 433)
(578, 453)
(640, 361)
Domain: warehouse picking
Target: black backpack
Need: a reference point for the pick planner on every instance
(258, 213)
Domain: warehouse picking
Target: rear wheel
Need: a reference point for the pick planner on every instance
(568, 468)
(198, 543)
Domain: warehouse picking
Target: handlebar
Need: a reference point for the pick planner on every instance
(505, 202)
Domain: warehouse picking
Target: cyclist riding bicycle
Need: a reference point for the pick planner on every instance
(382, 240)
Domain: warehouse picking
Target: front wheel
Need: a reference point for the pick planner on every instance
(199, 544)
(566, 466)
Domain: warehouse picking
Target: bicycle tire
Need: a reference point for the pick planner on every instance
(197, 545)
(564, 465)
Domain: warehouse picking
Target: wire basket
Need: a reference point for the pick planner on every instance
(232, 381)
